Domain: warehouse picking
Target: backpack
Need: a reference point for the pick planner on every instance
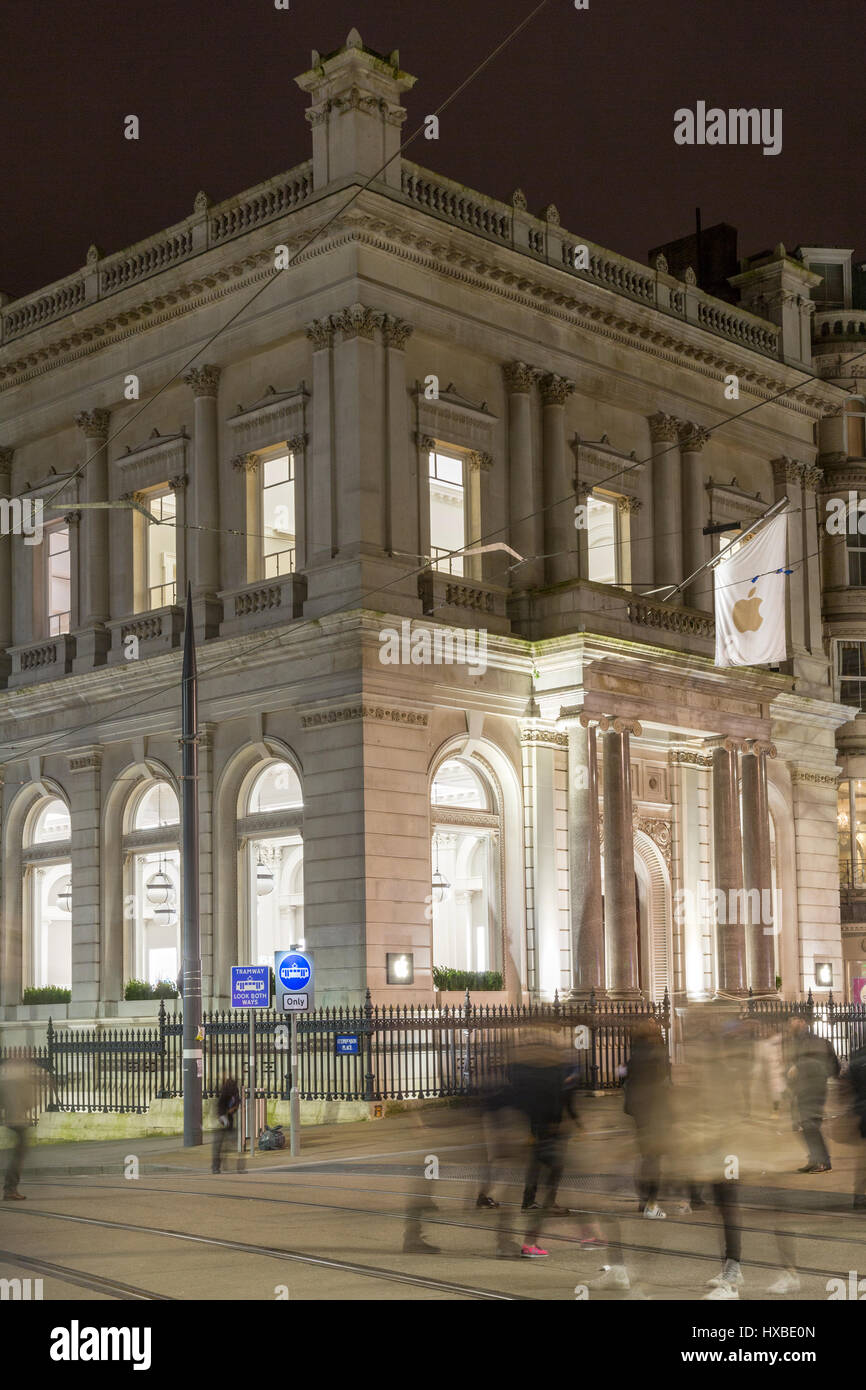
(272, 1137)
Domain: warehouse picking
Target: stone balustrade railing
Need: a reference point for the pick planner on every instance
(839, 323)
(506, 225)
(108, 275)
(667, 618)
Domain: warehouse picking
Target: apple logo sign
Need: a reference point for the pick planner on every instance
(745, 614)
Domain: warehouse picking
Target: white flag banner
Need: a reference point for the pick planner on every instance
(750, 590)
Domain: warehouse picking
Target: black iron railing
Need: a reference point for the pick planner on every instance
(403, 1052)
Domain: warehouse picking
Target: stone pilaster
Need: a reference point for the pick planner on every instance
(560, 537)
(812, 480)
(210, 985)
(360, 451)
(728, 846)
(584, 857)
(667, 500)
(5, 571)
(203, 509)
(696, 546)
(620, 906)
(321, 500)
(401, 497)
(524, 490)
(757, 871)
(85, 804)
(94, 608)
(788, 482)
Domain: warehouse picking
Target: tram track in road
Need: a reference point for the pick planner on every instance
(768, 1232)
(96, 1282)
(278, 1253)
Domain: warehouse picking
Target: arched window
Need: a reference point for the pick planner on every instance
(272, 851)
(47, 862)
(153, 885)
(466, 847)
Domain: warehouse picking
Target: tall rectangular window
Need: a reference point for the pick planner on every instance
(855, 434)
(830, 294)
(447, 512)
(602, 540)
(58, 585)
(278, 515)
(161, 542)
(852, 674)
(856, 560)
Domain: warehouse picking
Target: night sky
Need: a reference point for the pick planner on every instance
(577, 111)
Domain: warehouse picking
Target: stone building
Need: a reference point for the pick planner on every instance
(415, 751)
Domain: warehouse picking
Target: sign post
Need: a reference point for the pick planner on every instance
(251, 989)
(295, 984)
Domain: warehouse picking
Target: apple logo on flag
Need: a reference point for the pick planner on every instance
(745, 614)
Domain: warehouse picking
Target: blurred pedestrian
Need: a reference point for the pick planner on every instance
(648, 1101)
(857, 1080)
(227, 1106)
(814, 1064)
(541, 1092)
(19, 1091)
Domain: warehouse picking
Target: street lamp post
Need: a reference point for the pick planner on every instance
(192, 1041)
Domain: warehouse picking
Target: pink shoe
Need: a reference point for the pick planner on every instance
(533, 1252)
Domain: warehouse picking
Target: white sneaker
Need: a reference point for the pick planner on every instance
(613, 1277)
(654, 1212)
(788, 1282)
(723, 1291)
(730, 1274)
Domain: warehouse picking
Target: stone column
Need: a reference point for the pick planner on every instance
(788, 481)
(298, 449)
(667, 500)
(94, 610)
(86, 813)
(5, 571)
(812, 480)
(757, 873)
(620, 907)
(584, 857)
(203, 511)
(360, 441)
(179, 486)
(834, 545)
(696, 546)
(401, 523)
(524, 493)
(728, 853)
(478, 466)
(321, 528)
(212, 985)
(560, 537)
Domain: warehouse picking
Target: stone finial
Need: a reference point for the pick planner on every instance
(354, 40)
(662, 264)
(201, 203)
(203, 380)
(94, 254)
(550, 214)
(518, 199)
(690, 277)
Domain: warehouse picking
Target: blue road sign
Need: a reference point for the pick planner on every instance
(347, 1045)
(293, 972)
(251, 986)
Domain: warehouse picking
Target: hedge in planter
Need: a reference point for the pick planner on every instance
(444, 978)
(47, 994)
(141, 989)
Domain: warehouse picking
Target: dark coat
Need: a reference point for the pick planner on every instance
(647, 1084)
(814, 1063)
(857, 1078)
(228, 1100)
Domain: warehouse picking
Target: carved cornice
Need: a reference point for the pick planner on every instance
(693, 438)
(381, 713)
(203, 380)
(555, 390)
(519, 377)
(690, 757)
(664, 429)
(93, 423)
(452, 815)
(547, 736)
(395, 332)
(88, 760)
(787, 470)
(357, 321)
(823, 779)
(160, 450)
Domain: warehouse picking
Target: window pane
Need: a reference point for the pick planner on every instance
(162, 550)
(276, 470)
(449, 469)
(277, 789)
(158, 806)
(455, 785)
(601, 541)
(447, 512)
(52, 823)
(58, 581)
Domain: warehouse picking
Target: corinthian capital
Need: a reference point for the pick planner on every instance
(813, 477)
(693, 438)
(478, 461)
(395, 332)
(320, 333)
(664, 428)
(6, 459)
(555, 390)
(786, 470)
(245, 463)
(357, 322)
(204, 381)
(519, 376)
(93, 423)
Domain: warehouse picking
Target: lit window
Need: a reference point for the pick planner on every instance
(447, 512)
(855, 420)
(278, 515)
(49, 895)
(52, 823)
(276, 789)
(274, 863)
(602, 539)
(162, 550)
(58, 580)
(157, 807)
(856, 559)
(455, 785)
(465, 872)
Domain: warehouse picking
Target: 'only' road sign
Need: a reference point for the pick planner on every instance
(293, 972)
